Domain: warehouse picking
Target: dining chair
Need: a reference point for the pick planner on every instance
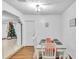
(66, 57)
(49, 52)
(63, 55)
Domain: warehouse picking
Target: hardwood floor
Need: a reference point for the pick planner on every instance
(24, 53)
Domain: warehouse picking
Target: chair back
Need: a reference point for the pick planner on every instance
(49, 52)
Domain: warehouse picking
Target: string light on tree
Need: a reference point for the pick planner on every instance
(11, 31)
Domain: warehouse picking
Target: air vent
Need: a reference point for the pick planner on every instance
(22, 0)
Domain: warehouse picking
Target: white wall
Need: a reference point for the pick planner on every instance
(5, 43)
(69, 33)
(9, 45)
(54, 29)
(28, 32)
(9, 8)
(4, 30)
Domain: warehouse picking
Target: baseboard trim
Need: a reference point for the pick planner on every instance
(28, 45)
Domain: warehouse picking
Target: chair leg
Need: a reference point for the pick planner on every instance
(67, 57)
(60, 57)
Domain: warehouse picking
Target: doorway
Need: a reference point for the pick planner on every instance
(29, 31)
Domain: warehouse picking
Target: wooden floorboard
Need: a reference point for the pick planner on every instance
(24, 53)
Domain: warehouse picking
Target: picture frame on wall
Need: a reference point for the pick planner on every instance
(72, 22)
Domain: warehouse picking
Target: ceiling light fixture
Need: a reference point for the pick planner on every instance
(37, 6)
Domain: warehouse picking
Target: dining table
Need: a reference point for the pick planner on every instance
(60, 48)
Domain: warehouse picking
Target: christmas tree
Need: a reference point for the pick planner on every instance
(11, 31)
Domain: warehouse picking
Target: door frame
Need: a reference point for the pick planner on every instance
(32, 35)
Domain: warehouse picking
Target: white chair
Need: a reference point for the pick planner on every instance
(61, 53)
(67, 56)
(49, 54)
(64, 55)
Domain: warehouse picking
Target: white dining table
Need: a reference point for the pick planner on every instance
(38, 49)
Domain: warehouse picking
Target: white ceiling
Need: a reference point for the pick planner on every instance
(46, 7)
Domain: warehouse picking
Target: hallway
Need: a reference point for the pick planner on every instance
(24, 53)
